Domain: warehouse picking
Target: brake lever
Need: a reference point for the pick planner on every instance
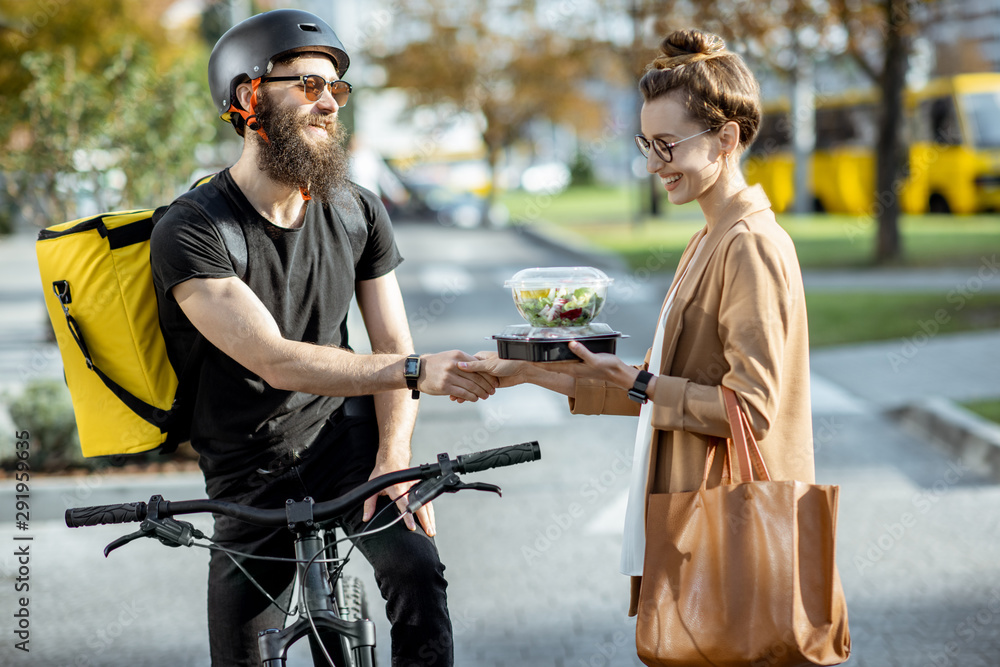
(429, 489)
(122, 541)
(169, 531)
(478, 486)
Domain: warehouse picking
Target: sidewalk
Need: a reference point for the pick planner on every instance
(890, 374)
(959, 282)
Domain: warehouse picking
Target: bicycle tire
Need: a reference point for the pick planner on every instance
(355, 609)
(355, 600)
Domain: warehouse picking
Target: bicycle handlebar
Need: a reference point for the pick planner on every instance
(497, 458)
(126, 512)
(105, 514)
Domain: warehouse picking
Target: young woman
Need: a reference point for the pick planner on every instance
(734, 316)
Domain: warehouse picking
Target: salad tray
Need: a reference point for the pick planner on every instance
(559, 297)
(523, 342)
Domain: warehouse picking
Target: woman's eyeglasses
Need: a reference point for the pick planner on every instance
(313, 85)
(664, 150)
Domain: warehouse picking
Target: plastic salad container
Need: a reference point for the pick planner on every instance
(528, 343)
(559, 296)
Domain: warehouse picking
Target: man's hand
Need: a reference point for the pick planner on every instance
(425, 513)
(506, 372)
(442, 376)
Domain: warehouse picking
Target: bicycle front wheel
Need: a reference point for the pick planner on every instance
(355, 609)
(355, 599)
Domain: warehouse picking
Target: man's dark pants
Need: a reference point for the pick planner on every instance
(407, 567)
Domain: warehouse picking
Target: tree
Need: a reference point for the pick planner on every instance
(101, 102)
(497, 62)
(890, 25)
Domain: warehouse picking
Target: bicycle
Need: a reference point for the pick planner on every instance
(326, 603)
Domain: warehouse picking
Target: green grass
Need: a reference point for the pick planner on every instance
(988, 409)
(843, 241)
(603, 217)
(577, 205)
(838, 318)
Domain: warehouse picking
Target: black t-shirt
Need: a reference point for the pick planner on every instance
(305, 277)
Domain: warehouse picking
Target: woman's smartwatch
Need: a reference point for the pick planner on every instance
(411, 371)
(638, 391)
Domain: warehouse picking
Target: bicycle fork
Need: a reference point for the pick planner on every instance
(317, 604)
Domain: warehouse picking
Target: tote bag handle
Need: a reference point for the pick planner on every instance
(747, 451)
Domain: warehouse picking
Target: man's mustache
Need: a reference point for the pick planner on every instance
(328, 123)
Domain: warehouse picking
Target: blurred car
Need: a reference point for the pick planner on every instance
(457, 208)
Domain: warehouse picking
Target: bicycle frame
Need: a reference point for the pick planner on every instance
(318, 607)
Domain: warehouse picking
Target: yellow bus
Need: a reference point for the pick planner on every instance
(952, 128)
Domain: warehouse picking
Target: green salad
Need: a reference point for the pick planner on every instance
(558, 307)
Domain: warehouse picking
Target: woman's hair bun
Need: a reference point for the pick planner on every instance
(686, 46)
(716, 85)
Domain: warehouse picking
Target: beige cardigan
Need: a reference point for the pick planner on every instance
(738, 320)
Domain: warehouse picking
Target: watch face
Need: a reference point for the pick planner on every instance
(411, 367)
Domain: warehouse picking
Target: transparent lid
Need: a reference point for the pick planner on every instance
(554, 276)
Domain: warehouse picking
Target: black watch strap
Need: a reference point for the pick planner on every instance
(411, 372)
(638, 391)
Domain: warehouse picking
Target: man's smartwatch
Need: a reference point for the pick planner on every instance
(638, 391)
(411, 371)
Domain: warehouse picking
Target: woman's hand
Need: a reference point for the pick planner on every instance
(595, 366)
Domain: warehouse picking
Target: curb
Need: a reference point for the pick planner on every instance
(975, 440)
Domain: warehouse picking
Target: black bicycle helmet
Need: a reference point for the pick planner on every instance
(246, 51)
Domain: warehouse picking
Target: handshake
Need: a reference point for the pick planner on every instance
(465, 377)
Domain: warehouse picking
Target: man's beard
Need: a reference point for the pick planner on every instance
(291, 159)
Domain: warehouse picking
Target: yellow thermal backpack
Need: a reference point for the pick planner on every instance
(127, 397)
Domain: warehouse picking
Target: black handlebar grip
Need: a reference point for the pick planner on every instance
(502, 456)
(102, 514)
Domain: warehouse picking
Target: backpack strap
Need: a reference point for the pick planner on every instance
(150, 413)
(218, 212)
(346, 203)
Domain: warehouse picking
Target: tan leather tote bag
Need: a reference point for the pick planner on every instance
(742, 573)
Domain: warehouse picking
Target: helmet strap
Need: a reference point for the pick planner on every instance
(250, 116)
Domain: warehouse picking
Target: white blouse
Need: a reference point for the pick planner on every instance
(634, 537)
